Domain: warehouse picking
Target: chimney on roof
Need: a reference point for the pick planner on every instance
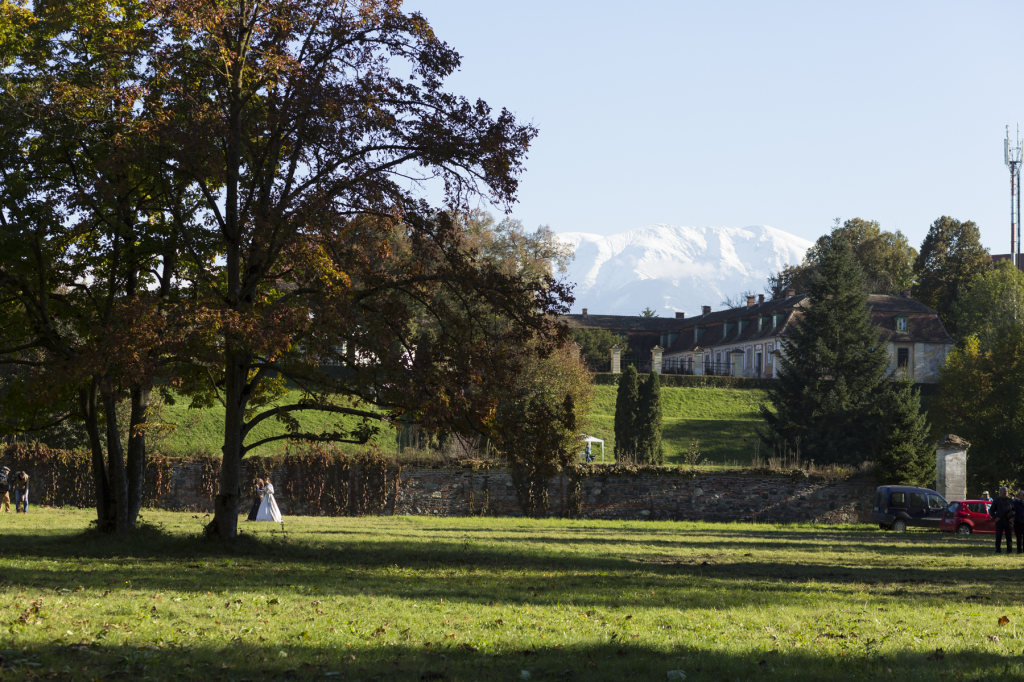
(906, 293)
(750, 301)
(584, 312)
(790, 293)
(760, 299)
(680, 315)
(705, 310)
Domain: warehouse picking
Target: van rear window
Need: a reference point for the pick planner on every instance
(917, 500)
(898, 500)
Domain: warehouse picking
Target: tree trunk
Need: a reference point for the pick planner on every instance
(90, 413)
(136, 469)
(225, 505)
(115, 464)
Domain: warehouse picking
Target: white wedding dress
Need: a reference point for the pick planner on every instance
(268, 508)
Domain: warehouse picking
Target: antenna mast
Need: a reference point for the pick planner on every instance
(1012, 159)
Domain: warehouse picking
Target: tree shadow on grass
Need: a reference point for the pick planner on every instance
(327, 657)
(478, 572)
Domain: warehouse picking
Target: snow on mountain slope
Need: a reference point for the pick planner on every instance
(672, 268)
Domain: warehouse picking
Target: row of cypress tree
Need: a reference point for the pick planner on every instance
(834, 399)
(638, 418)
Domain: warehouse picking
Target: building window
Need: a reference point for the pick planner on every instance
(902, 357)
(901, 324)
(768, 353)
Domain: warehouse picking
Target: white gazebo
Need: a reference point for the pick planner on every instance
(590, 439)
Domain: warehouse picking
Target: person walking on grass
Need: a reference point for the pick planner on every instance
(20, 482)
(5, 489)
(257, 499)
(1002, 511)
(1018, 520)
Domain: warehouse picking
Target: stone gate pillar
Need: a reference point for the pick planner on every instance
(951, 468)
(616, 359)
(656, 359)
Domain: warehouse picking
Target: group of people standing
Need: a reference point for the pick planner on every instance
(264, 506)
(16, 483)
(1009, 515)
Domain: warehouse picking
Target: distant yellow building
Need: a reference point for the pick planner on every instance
(745, 342)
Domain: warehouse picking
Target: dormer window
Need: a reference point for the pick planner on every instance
(902, 324)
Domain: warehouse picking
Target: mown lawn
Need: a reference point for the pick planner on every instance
(201, 431)
(724, 420)
(402, 598)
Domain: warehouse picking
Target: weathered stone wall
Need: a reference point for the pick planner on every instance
(712, 497)
(728, 496)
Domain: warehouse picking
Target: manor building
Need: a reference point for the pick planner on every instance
(746, 341)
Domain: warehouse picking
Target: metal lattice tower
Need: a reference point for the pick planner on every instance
(1012, 159)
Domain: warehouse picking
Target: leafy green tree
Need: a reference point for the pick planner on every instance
(627, 407)
(539, 422)
(906, 454)
(649, 421)
(516, 251)
(832, 372)
(993, 302)
(596, 347)
(289, 118)
(886, 258)
(951, 258)
(981, 399)
(88, 255)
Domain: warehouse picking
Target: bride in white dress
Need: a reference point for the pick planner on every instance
(268, 508)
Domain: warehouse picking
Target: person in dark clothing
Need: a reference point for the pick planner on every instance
(1018, 520)
(258, 498)
(1002, 511)
(19, 480)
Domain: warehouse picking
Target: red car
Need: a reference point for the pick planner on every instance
(969, 516)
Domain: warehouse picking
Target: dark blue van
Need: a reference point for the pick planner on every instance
(899, 506)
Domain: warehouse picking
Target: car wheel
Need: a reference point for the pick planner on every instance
(899, 525)
(964, 529)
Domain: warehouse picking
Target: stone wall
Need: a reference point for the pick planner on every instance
(305, 487)
(712, 497)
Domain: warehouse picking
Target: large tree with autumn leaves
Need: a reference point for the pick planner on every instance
(271, 148)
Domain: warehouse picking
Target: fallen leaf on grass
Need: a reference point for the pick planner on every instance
(1004, 621)
(994, 638)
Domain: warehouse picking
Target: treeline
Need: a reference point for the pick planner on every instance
(951, 257)
(215, 199)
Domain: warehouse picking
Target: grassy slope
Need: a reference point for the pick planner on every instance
(202, 431)
(723, 420)
(485, 599)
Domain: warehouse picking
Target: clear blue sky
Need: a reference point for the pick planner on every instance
(742, 113)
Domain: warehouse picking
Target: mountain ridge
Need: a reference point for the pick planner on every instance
(672, 268)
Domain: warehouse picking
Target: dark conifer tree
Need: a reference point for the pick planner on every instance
(906, 455)
(832, 373)
(649, 448)
(627, 403)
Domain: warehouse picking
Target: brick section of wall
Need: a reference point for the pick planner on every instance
(712, 497)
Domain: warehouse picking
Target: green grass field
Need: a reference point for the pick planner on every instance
(201, 432)
(383, 598)
(723, 420)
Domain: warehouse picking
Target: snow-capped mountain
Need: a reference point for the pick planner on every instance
(670, 268)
